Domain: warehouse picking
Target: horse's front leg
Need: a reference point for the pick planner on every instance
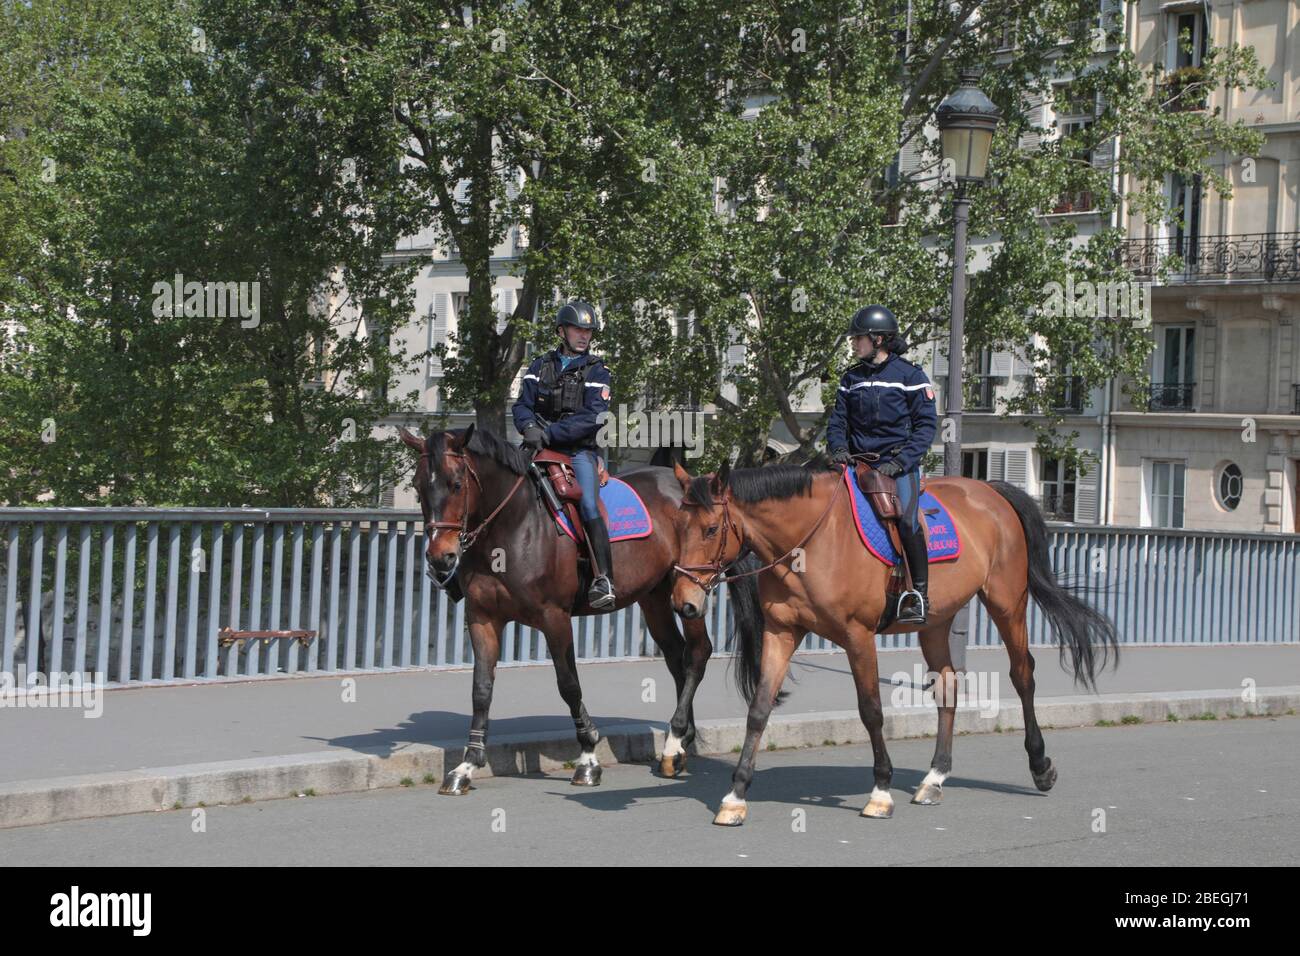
(559, 638)
(778, 647)
(485, 636)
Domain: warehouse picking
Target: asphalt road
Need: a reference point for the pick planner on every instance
(1200, 792)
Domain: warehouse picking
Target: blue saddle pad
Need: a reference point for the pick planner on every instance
(625, 513)
(945, 544)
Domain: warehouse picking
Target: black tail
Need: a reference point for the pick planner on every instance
(747, 633)
(1089, 634)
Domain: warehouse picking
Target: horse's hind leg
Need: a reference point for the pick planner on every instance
(485, 636)
(686, 660)
(938, 660)
(559, 639)
(1012, 624)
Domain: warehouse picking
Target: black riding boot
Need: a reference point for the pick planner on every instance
(911, 610)
(601, 594)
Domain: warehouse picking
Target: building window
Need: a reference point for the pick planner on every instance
(1228, 487)
(1057, 485)
(975, 464)
(1175, 371)
(1168, 479)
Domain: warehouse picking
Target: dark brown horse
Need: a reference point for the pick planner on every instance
(485, 524)
(835, 591)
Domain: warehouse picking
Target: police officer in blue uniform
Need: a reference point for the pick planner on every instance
(564, 393)
(885, 405)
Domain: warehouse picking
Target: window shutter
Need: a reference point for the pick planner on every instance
(997, 464)
(1000, 365)
(1085, 495)
(1017, 467)
(1033, 137)
(911, 157)
(439, 322)
(940, 361)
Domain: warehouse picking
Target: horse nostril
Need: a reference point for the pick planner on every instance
(689, 610)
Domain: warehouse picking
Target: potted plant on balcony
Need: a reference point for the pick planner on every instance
(1183, 90)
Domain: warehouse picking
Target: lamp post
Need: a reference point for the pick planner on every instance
(966, 119)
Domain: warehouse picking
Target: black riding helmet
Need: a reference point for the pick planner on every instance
(873, 320)
(580, 314)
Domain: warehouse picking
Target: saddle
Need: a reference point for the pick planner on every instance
(882, 492)
(558, 469)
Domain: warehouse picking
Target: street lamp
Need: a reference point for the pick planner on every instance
(966, 119)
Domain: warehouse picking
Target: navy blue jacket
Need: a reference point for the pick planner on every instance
(579, 429)
(879, 410)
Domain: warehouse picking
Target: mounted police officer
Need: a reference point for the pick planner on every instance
(885, 405)
(564, 393)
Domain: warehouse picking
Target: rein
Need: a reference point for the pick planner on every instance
(715, 567)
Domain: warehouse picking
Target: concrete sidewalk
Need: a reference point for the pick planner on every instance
(157, 746)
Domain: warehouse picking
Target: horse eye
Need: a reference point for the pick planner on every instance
(455, 485)
(710, 531)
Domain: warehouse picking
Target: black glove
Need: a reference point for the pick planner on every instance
(534, 436)
(890, 469)
(840, 456)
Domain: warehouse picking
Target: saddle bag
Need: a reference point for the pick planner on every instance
(881, 491)
(559, 469)
(564, 481)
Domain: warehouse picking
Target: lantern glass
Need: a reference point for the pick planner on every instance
(968, 148)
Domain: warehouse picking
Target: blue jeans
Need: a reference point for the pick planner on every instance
(909, 495)
(584, 469)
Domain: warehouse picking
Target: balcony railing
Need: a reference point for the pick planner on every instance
(1271, 256)
(1176, 397)
(1057, 506)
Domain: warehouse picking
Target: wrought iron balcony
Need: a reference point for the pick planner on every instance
(1271, 256)
(1176, 397)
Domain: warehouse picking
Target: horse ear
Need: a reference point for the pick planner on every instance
(683, 476)
(719, 483)
(469, 433)
(412, 441)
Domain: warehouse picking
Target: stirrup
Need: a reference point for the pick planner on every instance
(910, 616)
(602, 599)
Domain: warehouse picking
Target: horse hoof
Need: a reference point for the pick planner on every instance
(455, 785)
(672, 766)
(587, 775)
(879, 807)
(1044, 781)
(928, 795)
(731, 815)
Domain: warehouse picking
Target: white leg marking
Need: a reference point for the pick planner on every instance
(674, 746)
(732, 800)
(934, 778)
(881, 796)
(466, 769)
(588, 759)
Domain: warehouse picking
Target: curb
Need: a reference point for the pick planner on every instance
(36, 802)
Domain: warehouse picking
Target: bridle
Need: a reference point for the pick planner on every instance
(716, 566)
(466, 537)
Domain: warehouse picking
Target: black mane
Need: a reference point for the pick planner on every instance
(756, 484)
(511, 457)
